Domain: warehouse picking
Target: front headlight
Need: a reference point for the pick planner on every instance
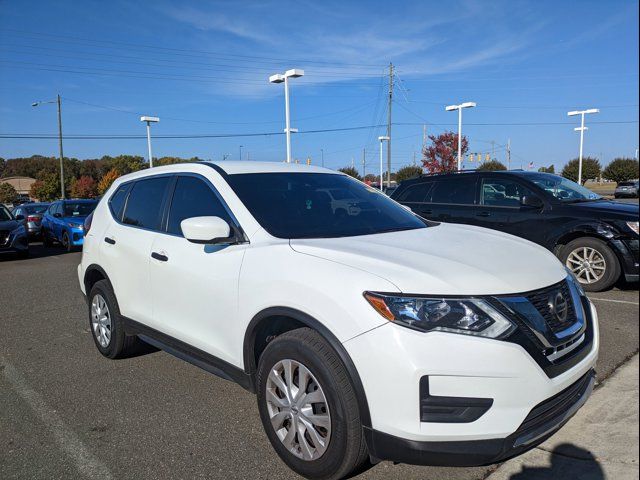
(467, 316)
(75, 225)
(633, 226)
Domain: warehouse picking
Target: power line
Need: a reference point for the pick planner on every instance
(181, 50)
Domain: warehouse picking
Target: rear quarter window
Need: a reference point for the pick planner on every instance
(117, 201)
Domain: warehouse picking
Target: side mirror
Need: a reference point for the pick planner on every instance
(20, 217)
(206, 230)
(531, 201)
(57, 215)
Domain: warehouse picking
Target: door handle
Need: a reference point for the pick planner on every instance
(483, 214)
(159, 256)
(110, 241)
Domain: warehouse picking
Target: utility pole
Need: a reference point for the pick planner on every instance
(581, 129)
(322, 156)
(389, 126)
(509, 154)
(364, 163)
(493, 149)
(60, 143)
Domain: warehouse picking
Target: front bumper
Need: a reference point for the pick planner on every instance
(14, 243)
(543, 421)
(627, 251)
(76, 235)
(392, 359)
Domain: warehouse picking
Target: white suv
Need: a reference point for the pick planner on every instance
(368, 337)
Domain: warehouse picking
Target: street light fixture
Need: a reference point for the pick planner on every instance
(59, 102)
(581, 129)
(240, 149)
(459, 108)
(149, 121)
(382, 139)
(284, 78)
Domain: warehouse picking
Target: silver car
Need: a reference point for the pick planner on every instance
(31, 214)
(627, 189)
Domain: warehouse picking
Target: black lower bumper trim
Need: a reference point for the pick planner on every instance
(383, 446)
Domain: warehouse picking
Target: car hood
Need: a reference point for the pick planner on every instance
(9, 224)
(608, 208)
(446, 259)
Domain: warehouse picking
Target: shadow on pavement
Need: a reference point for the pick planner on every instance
(36, 250)
(567, 462)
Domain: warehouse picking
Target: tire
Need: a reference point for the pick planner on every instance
(23, 254)
(117, 344)
(46, 240)
(66, 242)
(345, 450)
(603, 269)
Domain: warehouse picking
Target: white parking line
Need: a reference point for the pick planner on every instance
(88, 465)
(613, 301)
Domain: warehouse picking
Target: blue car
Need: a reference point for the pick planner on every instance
(63, 222)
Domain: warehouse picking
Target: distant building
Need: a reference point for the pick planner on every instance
(21, 184)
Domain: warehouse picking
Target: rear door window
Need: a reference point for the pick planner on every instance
(502, 192)
(144, 206)
(193, 197)
(415, 193)
(458, 191)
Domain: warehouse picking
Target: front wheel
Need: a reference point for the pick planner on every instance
(308, 407)
(592, 262)
(66, 242)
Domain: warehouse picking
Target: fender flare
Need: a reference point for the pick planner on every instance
(307, 320)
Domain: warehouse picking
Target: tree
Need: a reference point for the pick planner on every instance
(410, 171)
(442, 155)
(124, 164)
(84, 187)
(351, 171)
(107, 180)
(492, 165)
(7, 193)
(621, 169)
(590, 169)
(46, 188)
(549, 169)
(371, 178)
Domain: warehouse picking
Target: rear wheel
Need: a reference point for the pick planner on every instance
(107, 326)
(308, 407)
(592, 262)
(46, 239)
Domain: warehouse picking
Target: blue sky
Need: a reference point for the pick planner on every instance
(202, 67)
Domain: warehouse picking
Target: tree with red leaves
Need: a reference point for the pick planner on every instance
(442, 155)
(84, 187)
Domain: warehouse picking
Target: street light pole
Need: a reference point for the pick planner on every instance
(241, 152)
(149, 121)
(58, 101)
(459, 108)
(382, 139)
(581, 129)
(284, 78)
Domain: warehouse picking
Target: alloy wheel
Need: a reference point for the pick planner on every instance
(587, 264)
(101, 320)
(298, 410)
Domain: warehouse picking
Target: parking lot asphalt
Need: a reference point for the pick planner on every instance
(67, 412)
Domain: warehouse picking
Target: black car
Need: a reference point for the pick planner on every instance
(596, 238)
(13, 234)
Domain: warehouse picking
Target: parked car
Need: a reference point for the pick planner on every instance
(32, 214)
(627, 189)
(596, 238)
(13, 234)
(63, 222)
(377, 336)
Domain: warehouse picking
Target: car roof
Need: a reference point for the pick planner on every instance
(238, 167)
(79, 200)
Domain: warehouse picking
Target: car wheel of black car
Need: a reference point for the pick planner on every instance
(592, 262)
(23, 254)
(106, 324)
(308, 407)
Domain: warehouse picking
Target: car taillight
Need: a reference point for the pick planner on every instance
(87, 223)
(33, 218)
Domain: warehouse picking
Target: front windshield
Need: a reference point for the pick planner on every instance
(563, 189)
(298, 205)
(4, 214)
(78, 209)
